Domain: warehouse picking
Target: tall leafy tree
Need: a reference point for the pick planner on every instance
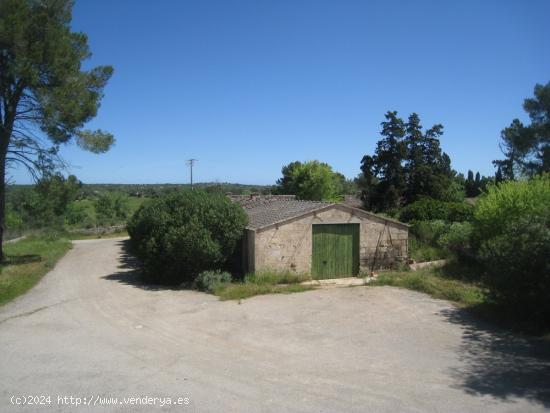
(312, 180)
(285, 184)
(427, 168)
(383, 178)
(408, 164)
(56, 192)
(526, 148)
(46, 97)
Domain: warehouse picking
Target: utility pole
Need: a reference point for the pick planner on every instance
(190, 163)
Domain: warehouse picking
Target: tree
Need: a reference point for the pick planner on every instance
(285, 185)
(427, 168)
(349, 186)
(526, 148)
(383, 176)
(111, 208)
(498, 176)
(312, 180)
(408, 164)
(54, 195)
(470, 185)
(45, 97)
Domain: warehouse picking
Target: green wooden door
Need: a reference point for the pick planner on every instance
(335, 250)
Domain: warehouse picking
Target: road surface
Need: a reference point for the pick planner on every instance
(89, 330)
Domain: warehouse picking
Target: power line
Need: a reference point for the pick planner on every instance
(190, 163)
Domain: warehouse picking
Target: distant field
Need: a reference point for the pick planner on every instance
(88, 206)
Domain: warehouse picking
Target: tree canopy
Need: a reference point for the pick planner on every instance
(407, 164)
(46, 98)
(312, 180)
(526, 148)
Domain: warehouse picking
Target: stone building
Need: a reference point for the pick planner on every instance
(325, 239)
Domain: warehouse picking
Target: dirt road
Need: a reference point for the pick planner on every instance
(90, 330)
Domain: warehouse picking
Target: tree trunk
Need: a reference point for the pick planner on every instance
(2, 201)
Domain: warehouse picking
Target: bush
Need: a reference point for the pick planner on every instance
(428, 209)
(512, 239)
(209, 280)
(429, 232)
(180, 235)
(457, 238)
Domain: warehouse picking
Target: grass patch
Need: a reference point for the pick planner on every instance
(459, 282)
(274, 278)
(263, 283)
(448, 283)
(26, 263)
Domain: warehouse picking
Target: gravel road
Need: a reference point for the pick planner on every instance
(89, 330)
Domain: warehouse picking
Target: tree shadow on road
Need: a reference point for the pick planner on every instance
(499, 363)
(130, 272)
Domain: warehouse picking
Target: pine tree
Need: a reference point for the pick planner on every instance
(427, 168)
(498, 176)
(470, 185)
(384, 181)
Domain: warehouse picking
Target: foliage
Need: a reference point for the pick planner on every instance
(383, 178)
(43, 90)
(457, 238)
(263, 283)
(476, 186)
(111, 208)
(27, 261)
(422, 251)
(427, 168)
(454, 192)
(285, 184)
(43, 205)
(77, 215)
(526, 148)
(182, 234)
(407, 165)
(349, 186)
(209, 280)
(276, 277)
(427, 209)
(512, 239)
(437, 282)
(312, 180)
(429, 231)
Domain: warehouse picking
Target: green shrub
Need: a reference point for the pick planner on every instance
(428, 209)
(179, 235)
(457, 238)
(429, 232)
(512, 239)
(422, 252)
(209, 280)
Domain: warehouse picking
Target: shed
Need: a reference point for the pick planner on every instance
(325, 239)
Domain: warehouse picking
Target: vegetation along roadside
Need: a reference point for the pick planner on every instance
(27, 261)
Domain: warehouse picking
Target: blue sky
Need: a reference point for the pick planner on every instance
(247, 86)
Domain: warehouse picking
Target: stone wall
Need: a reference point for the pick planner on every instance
(288, 246)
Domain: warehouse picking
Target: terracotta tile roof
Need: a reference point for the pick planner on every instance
(271, 209)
